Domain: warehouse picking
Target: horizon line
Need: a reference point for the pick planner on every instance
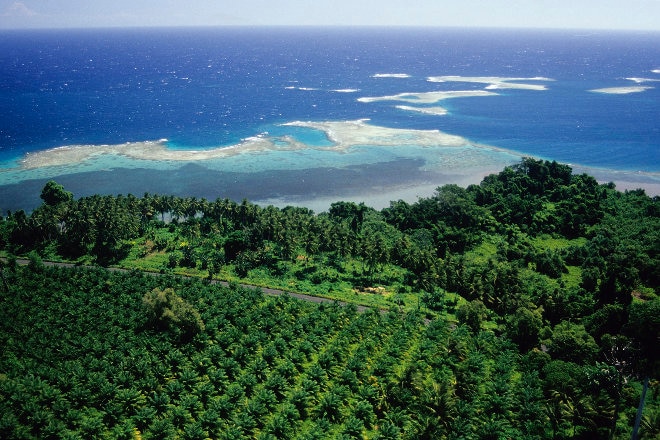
(328, 26)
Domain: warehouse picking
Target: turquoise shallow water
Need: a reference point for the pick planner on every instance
(312, 175)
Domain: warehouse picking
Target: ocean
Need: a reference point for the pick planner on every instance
(308, 116)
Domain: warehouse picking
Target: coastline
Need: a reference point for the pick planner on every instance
(624, 180)
(317, 188)
(378, 165)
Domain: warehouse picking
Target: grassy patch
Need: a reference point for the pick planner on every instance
(485, 251)
(546, 242)
(574, 276)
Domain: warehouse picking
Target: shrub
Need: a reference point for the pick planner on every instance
(168, 311)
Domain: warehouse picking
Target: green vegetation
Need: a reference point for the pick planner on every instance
(167, 310)
(523, 307)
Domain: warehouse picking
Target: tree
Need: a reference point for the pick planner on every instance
(524, 327)
(530, 401)
(35, 262)
(375, 250)
(571, 342)
(329, 407)
(350, 212)
(472, 314)
(644, 328)
(53, 194)
(550, 263)
(167, 310)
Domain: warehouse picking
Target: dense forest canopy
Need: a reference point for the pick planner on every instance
(523, 307)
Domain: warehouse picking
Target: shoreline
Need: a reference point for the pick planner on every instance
(377, 165)
(412, 194)
(624, 180)
(376, 184)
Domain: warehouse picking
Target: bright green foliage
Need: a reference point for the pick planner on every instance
(571, 342)
(472, 314)
(552, 278)
(80, 360)
(166, 309)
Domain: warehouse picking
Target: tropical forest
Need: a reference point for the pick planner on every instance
(524, 307)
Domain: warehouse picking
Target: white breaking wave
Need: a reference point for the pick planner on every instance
(311, 89)
(621, 90)
(390, 75)
(427, 97)
(494, 82)
(643, 80)
(436, 111)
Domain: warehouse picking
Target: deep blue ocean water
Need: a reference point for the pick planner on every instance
(205, 87)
